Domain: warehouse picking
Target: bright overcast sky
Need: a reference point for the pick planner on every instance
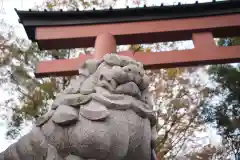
(10, 16)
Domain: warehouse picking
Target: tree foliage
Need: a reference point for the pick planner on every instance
(178, 95)
(18, 61)
(225, 113)
(208, 152)
(178, 100)
(75, 4)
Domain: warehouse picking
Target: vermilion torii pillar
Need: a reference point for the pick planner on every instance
(105, 43)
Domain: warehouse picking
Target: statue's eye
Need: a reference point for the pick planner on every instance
(129, 69)
(101, 77)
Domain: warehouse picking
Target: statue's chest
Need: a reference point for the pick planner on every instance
(110, 138)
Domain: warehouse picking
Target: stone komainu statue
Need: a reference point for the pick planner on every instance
(104, 114)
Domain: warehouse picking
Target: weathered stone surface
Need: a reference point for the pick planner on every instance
(91, 138)
(134, 69)
(2, 156)
(75, 85)
(119, 75)
(134, 73)
(88, 85)
(53, 153)
(54, 106)
(84, 72)
(147, 98)
(65, 115)
(101, 90)
(143, 110)
(43, 119)
(10, 153)
(129, 88)
(74, 100)
(139, 139)
(119, 134)
(105, 114)
(55, 135)
(144, 82)
(94, 111)
(105, 79)
(24, 148)
(125, 60)
(123, 102)
(154, 135)
(37, 138)
(73, 157)
(113, 102)
(112, 59)
(91, 65)
(115, 60)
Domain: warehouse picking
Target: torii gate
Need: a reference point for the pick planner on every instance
(200, 22)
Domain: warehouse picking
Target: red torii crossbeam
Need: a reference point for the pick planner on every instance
(197, 22)
(60, 37)
(205, 52)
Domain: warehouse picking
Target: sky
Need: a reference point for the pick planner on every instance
(8, 14)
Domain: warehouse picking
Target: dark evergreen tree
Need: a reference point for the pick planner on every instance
(225, 114)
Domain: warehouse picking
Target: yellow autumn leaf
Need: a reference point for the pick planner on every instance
(174, 72)
(148, 50)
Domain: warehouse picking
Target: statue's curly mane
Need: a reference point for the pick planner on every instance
(116, 82)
